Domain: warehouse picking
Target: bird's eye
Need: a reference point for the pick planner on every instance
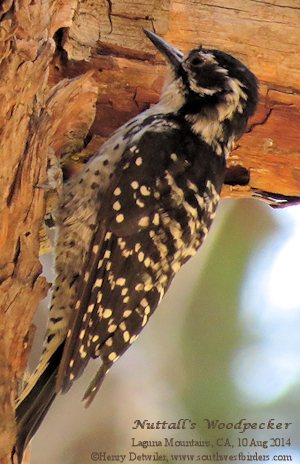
(196, 61)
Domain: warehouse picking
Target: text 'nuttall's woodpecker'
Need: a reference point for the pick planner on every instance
(139, 210)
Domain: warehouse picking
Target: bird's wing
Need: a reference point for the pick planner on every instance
(129, 265)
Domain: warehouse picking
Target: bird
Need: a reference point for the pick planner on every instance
(127, 223)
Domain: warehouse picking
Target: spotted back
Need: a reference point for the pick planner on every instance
(158, 210)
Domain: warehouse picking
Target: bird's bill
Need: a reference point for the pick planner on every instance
(172, 54)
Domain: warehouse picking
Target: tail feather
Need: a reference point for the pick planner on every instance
(32, 408)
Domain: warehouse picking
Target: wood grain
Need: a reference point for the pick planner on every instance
(263, 34)
(32, 121)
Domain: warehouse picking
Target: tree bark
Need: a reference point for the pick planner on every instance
(72, 71)
(34, 119)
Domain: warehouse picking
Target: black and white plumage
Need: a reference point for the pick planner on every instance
(140, 209)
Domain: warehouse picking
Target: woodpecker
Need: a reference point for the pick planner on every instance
(139, 210)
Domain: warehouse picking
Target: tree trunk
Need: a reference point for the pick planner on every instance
(72, 71)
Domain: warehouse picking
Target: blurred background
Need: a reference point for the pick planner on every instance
(224, 344)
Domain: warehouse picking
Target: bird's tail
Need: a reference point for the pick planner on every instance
(36, 400)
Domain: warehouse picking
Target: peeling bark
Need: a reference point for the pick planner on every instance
(264, 35)
(56, 56)
(32, 120)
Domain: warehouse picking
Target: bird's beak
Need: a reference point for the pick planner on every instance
(173, 55)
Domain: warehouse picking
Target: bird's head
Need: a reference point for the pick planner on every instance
(214, 91)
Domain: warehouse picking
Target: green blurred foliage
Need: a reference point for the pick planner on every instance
(211, 334)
